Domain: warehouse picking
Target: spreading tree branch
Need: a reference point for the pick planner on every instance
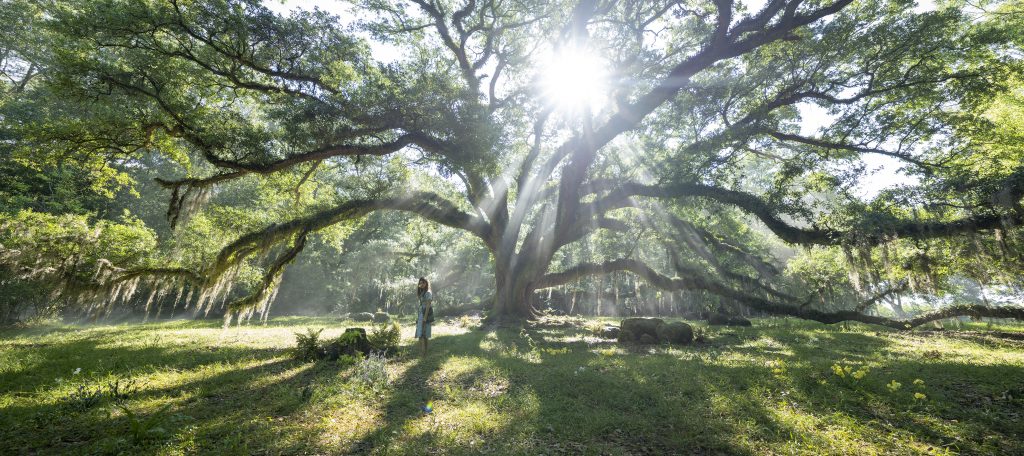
(767, 213)
(894, 289)
(698, 283)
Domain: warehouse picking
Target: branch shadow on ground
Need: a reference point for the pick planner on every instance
(717, 398)
(536, 391)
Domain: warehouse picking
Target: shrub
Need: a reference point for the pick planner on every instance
(385, 338)
(353, 343)
(307, 346)
(348, 360)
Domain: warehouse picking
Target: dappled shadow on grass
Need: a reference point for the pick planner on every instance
(549, 400)
(722, 398)
(229, 396)
(411, 392)
(50, 362)
(953, 386)
(552, 391)
(949, 415)
(213, 405)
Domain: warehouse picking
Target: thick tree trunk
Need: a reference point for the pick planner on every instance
(513, 290)
(513, 300)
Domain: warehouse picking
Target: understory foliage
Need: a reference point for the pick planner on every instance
(384, 339)
(52, 263)
(347, 348)
(726, 164)
(307, 345)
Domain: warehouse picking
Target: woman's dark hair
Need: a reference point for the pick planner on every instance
(420, 291)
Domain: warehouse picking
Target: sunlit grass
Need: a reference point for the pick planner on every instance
(767, 389)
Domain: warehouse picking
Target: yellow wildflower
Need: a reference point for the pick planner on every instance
(838, 370)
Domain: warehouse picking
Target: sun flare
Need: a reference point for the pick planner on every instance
(575, 80)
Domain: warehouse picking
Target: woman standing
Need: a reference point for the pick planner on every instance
(425, 315)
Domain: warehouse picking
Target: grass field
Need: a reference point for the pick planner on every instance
(776, 388)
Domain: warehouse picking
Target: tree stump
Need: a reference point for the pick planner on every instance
(633, 329)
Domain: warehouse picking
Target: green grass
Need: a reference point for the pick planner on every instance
(769, 389)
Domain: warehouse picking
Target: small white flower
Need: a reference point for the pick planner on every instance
(77, 371)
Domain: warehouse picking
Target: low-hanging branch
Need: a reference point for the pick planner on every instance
(695, 236)
(699, 283)
(424, 204)
(188, 194)
(764, 211)
(260, 300)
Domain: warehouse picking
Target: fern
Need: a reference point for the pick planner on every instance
(385, 338)
(307, 346)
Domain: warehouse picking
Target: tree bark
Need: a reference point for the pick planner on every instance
(513, 290)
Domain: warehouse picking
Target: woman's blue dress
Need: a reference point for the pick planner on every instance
(422, 327)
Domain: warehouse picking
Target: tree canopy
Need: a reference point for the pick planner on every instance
(721, 139)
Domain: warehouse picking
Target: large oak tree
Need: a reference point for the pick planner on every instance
(706, 110)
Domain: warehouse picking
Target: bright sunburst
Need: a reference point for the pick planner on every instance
(575, 80)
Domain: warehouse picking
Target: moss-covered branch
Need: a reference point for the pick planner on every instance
(764, 305)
